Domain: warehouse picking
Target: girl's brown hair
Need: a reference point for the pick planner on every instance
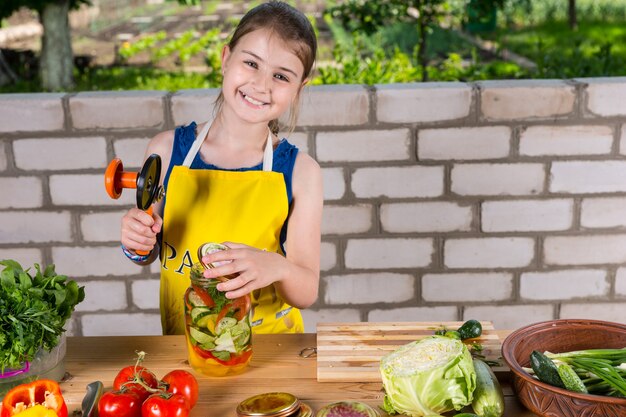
(293, 27)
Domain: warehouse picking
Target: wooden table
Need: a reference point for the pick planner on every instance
(275, 366)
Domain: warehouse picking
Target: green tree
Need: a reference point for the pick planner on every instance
(56, 62)
(571, 14)
(367, 16)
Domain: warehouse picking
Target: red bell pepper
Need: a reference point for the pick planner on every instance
(234, 360)
(42, 392)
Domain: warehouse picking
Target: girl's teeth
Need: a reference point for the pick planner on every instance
(253, 101)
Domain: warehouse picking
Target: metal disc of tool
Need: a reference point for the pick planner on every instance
(148, 182)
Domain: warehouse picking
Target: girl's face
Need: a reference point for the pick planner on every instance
(262, 76)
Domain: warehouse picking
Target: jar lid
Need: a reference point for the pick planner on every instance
(347, 408)
(271, 404)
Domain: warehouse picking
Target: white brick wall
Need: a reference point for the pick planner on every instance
(464, 143)
(603, 96)
(333, 183)
(425, 217)
(131, 152)
(597, 311)
(566, 140)
(35, 226)
(364, 145)
(388, 253)
(138, 324)
(620, 282)
(510, 316)
(502, 201)
(60, 154)
(326, 106)
(21, 192)
(563, 285)
(578, 177)
(346, 220)
(494, 252)
(335, 315)
(86, 190)
(3, 158)
(109, 295)
(603, 212)
(117, 110)
(400, 182)
(193, 105)
(329, 256)
(145, 293)
(585, 250)
(398, 104)
(96, 261)
(527, 215)
(102, 227)
(299, 139)
(26, 257)
(526, 99)
(31, 112)
(467, 287)
(497, 179)
(448, 313)
(383, 287)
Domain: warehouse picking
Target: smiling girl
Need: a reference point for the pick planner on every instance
(218, 190)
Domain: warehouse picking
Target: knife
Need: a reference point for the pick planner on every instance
(90, 401)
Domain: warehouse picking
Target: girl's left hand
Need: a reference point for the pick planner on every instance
(255, 268)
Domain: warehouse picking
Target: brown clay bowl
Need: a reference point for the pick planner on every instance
(562, 336)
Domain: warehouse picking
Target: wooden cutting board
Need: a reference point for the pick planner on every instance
(351, 352)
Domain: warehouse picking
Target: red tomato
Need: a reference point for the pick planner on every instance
(165, 405)
(184, 383)
(119, 404)
(126, 377)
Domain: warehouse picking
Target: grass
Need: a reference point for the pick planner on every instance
(595, 49)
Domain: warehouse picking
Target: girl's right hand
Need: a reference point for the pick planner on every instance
(139, 230)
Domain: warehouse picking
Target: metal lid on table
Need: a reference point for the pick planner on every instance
(271, 404)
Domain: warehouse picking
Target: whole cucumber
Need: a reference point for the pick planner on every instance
(488, 398)
(470, 329)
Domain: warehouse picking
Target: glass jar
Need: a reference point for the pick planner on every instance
(45, 365)
(218, 329)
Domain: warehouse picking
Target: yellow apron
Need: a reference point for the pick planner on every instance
(203, 205)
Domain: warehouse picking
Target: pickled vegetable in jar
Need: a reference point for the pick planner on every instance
(218, 329)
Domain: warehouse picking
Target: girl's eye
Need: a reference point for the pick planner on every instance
(281, 77)
(251, 64)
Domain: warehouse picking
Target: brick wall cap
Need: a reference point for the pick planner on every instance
(120, 94)
(423, 86)
(32, 96)
(509, 84)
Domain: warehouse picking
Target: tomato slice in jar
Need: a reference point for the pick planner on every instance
(241, 307)
(204, 296)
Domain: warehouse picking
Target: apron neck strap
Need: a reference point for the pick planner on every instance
(268, 152)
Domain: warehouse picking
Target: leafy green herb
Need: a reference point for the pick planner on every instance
(218, 297)
(33, 311)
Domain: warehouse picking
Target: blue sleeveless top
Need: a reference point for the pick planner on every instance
(284, 159)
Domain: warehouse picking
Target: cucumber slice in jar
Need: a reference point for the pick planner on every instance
(224, 324)
(196, 300)
(201, 338)
(198, 313)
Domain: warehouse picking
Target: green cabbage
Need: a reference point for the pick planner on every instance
(428, 377)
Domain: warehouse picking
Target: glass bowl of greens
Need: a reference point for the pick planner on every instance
(34, 307)
(569, 368)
